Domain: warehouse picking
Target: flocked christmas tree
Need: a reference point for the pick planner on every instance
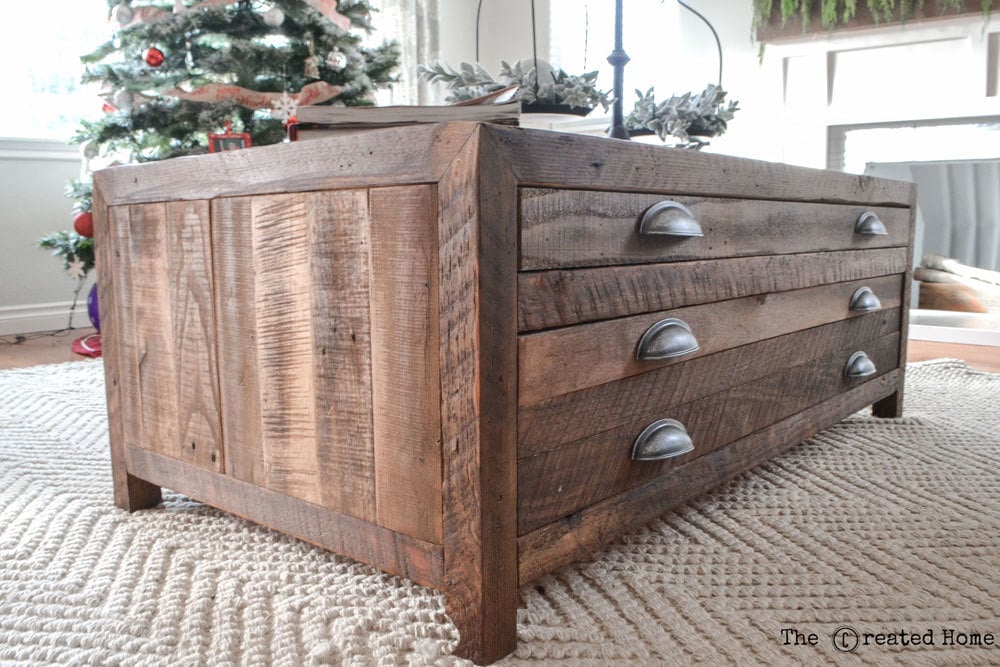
(175, 74)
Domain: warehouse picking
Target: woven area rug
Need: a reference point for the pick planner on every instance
(882, 526)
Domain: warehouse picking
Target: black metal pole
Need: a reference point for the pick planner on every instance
(618, 60)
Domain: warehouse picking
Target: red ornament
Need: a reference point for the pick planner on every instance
(153, 57)
(107, 108)
(83, 223)
(228, 140)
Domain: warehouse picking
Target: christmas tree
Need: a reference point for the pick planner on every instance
(182, 79)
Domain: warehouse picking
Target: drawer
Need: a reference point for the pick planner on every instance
(573, 228)
(560, 361)
(558, 482)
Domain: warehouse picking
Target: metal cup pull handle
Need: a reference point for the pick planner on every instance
(864, 300)
(669, 218)
(859, 366)
(869, 225)
(666, 339)
(663, 439)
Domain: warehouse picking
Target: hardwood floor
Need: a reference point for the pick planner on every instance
(40, 348)
(981, 357)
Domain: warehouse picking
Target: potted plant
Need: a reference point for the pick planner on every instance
(690, 118)
(554, 91)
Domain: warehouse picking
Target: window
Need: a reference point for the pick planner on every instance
(40, 49)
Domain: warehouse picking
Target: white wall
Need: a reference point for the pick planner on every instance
(35, 293)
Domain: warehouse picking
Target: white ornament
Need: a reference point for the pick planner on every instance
(284, 107)
(76, 269)
(122, 14)
(336, 59)
(274, 17)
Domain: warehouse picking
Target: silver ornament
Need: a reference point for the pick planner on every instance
(336, 59)
(122, 14)
(124, 99)
(274, 17)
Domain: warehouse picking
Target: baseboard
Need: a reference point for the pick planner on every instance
(34, 317)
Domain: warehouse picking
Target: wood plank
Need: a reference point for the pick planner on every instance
(412, 154)
(563, 360)
(892, 406)
(188, 249)
(236, 296)
(392, 552)
(557, 483)
(130, 492)
(339, 243)
(282, 303)
(478, 264)
(149, 299)
(405, 366)
(563, 419)
(557, 298)
(567, 228)
(577, 536)
(553, 159)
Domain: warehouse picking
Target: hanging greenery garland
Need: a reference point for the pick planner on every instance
(839, 12)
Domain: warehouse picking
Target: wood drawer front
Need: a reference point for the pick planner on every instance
(556, 483)
(581, 414)
(549, 299)
(559, 361)
(571, 228)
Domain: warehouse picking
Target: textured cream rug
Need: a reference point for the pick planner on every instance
(882, 526)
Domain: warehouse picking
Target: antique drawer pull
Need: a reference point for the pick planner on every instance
(864, 300)
(869, 225)
(669, 218)
(663, 439)
(666, 339)
(859, 366)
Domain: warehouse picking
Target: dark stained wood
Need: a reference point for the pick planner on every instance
(188, 246)
(563, 360)
(552, 159)
(577, 536)
(478, 263)
(393, 552)
(406, 402)
(282, 291)
(130, 492)
(892, 406)
(563, 419)
(340, 245)
(394, 156)
(557, 298)
(567, 228)
(235, 301)
(556, 483)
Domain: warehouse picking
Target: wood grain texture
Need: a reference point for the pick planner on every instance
(563, 419)
(567, 228)
(282, 303)
(553, 159)
(577, 536)
(130, 492)
(235, 299)
(392, 552)
(394, 156)
(192, 310)
(558, 298)
(557, 483)
(339, 244)
(478, 263)
(405, 366)
(563, 360)
(892, 406)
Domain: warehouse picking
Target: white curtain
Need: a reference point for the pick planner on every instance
(414, 24)
(959, 203)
